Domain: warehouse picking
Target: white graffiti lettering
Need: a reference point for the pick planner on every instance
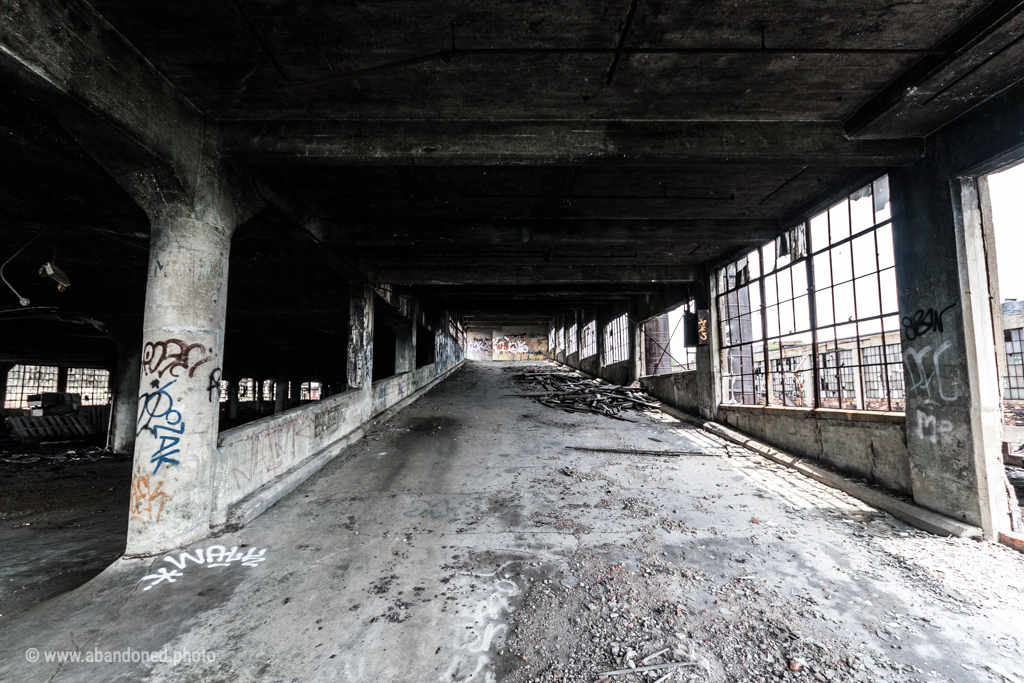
(928, 428)
(921, 380)
(214, 556)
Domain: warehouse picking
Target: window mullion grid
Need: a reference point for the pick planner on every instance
(881, 321)
(764, 324)
(858, 357)
(812, 307)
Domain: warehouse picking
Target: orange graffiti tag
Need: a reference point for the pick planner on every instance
(143, 498)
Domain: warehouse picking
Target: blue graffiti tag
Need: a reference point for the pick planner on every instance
(160, 406)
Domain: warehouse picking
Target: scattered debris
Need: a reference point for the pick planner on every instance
(577, 394)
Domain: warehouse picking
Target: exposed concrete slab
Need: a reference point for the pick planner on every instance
(418, 555)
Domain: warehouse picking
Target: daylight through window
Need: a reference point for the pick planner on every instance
(811, 318)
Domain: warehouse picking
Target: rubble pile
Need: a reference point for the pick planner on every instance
(577, 394)
(600, 622)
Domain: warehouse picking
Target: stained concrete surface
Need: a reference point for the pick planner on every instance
(63, 519)
(463, 542)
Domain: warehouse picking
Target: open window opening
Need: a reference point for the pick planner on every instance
(588, 340)
(1005, 224)
(670, 341)
(572, 340)
(616, 340)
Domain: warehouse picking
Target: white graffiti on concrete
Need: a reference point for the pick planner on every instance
(927, 428)
(479, 345)
(479, 630)
(214, 556)
(506, 345)
(922, 379)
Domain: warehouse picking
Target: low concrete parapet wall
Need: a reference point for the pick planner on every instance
(251, 457)
(872, 445)
(677, 389)
(867, 444)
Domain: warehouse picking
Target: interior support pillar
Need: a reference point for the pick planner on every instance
(233, 397)
(259, 396)
(952, 388)
(280, 394)
(126, 393)
(183, 340)
(360, 340)
(5, 369)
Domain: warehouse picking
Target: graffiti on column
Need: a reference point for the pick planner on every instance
(171, 356)
(159, 417)
(927, 377)
(147, 501)
(213, 388)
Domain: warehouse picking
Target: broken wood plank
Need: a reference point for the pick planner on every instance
(634, 451)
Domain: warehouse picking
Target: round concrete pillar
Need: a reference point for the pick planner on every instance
(179, 392)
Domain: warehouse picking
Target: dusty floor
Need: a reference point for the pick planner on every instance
(63, 519)
(463, 542)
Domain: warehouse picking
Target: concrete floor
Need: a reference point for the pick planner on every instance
(463, 542)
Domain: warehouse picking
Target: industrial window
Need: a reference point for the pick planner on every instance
(561, 339)
(811, 318)
(309, 391)
(1013, 383)
(667, 346)
(551, 342)
(247, 389)
(589, 340)
(268, 390)
(225, 391)
(616, 340)
(571, 343)
(25, 380)
(91, 384)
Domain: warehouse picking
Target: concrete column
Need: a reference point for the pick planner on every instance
(952, 412)
(280, 395)
(259, 396)
(5, 368)
(62, 379)
(360, 341)
(233, 398)
(126, 397)
(183, 338)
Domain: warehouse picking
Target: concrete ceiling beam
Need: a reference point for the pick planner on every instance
(514, 275)
(555, 142)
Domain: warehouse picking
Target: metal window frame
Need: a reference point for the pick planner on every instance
(726, 316)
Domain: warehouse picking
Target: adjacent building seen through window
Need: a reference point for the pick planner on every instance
(811, 318)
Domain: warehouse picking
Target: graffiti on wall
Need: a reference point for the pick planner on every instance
(214, 556)
(508, 347)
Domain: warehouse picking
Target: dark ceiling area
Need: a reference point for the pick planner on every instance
(498, 159)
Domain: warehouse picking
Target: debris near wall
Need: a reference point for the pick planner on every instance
(574, 393)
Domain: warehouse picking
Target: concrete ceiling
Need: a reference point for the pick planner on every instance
(487, 156)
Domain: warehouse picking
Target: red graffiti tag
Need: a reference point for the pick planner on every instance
(171, 356)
